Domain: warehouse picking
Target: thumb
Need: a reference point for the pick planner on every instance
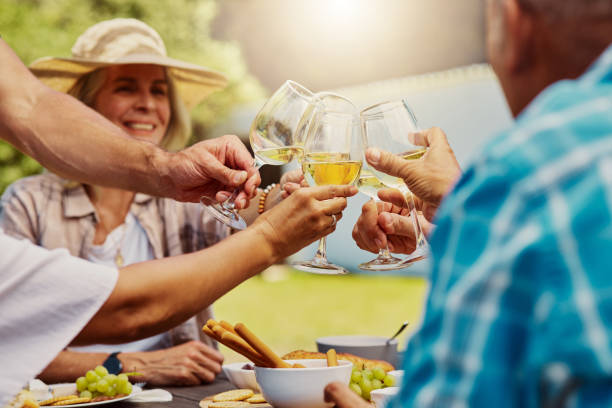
(393, 165)
(226, 176)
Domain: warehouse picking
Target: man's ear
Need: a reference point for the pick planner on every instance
(520, 30)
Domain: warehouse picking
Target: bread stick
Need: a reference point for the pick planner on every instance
(260, 346)
(211, 333)
(211, 323)
(332, 359)
(227, 326)
(240, 346)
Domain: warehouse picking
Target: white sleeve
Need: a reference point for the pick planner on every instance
(46, 298)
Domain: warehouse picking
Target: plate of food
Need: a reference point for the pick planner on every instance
(75, 400)
(96, 387)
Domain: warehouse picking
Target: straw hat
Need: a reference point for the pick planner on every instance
(126, 41)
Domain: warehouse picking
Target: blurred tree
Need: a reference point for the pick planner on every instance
(37, 28)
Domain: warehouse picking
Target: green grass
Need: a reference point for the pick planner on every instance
(291, 313)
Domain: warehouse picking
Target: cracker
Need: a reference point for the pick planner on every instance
(233, 395)
(57, 399)
(71, 401)
(256, 399)
(205, 403)
(230, 404)
(30, 404)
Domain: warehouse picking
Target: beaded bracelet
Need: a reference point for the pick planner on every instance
(263, 196)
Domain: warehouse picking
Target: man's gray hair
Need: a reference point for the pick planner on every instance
(563, 9)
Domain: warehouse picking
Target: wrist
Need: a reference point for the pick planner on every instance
(159, 165)
(131, 362)
(268, 244)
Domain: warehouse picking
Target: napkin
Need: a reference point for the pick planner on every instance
(155, 395)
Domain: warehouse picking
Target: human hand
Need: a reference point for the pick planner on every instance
(191, 363)
(343, 396)
(212, 168)
(304, 217)
(381, 224)
(429, 178)
(292, 181)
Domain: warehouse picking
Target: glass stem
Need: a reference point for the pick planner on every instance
(230, 203)
(383, 253)
(321, 255)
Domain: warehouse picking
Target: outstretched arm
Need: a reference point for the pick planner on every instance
(151, 297)
(74, 141)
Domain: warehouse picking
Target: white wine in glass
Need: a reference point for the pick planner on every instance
(332, 156)
(273, 139)
(390, 126)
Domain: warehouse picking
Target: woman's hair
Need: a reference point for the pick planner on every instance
(179, 128)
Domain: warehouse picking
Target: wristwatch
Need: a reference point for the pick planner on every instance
(113, 364)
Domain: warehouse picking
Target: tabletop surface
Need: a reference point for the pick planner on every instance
(183, 397)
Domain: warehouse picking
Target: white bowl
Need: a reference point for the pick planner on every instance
(382, 395)
(372, 347)
(301, 387)
(241, 377)
(399, 377)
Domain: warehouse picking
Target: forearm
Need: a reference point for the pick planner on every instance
(70, 365)
(47, 125)
(152, 297)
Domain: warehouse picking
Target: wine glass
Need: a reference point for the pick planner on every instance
(369, 185)
(389, 126)
(332, 156)
(273, 139)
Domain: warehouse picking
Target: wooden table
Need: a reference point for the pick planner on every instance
(183, 397)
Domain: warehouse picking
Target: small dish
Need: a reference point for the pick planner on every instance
(241, 377)
(382, 395)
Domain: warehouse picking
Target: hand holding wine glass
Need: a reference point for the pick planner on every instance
(428, 179)
(392, 127)
(273, 139)
(332, 156)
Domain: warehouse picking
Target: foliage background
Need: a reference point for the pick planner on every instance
(37, 28)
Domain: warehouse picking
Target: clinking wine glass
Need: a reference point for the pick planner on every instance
(389, 126)
(332, 156)
(273, 139)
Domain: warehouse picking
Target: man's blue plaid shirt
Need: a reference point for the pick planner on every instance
(520, 307)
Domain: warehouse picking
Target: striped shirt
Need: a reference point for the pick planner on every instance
(520, 308)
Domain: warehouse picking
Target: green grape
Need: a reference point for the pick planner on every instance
(376, 384)
(355, 388)
(92, 386)
(102, 386)
(86, 394)
(367, 373)
(111, 379)
(101, 371)
(122, 377)
(124, 387)
(81, 384)
(112, 391)
(92, 376)
(379, 373)
(389, 380)
(356, 376)
(366, 387)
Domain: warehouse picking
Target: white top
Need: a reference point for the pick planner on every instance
(44, 303)
(135, 247)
